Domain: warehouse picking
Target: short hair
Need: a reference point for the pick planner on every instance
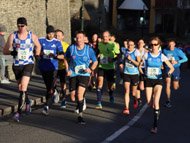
(171, 40)
(155, 38)
(80, 32)
(22, 20)
(58, 30)
(106, 31)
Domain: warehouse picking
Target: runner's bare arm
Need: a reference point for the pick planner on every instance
(8, 45)
(37, 44)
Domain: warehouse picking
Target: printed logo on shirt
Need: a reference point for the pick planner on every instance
(18, 45)
(74, 57)
(158, 60)
(53, 45)
(43, 44)
(149, 59)
(85, 58)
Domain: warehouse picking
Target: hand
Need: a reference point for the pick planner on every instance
(14, 53)
(174, 62)
(37, 58)
(144, 76)
(69, 73)
(52, 55)
(169, 75)
(88, 70)
(129, 57)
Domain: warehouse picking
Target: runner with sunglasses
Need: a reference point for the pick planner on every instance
(129, 66)
(176, 57)
(153, 84)
(22, 42)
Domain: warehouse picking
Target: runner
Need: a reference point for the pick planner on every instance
(142, 50)
(77, 63)
(51, 51)
(22, 42)
(122, 51)
(129, 66)
(107, 50)
(94, 45)
(112, 38)
(176, 57)
(153, 84)
(61, 67)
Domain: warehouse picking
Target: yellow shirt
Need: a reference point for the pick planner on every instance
(61, 62)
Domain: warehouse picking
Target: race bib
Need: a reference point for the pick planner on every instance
(46, 53)
(129, 65)
(171, 58)
(80, 69)
(23, 54)
(103, 59)
(152, 72)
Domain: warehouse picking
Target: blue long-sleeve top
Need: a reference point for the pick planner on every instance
(176, 54)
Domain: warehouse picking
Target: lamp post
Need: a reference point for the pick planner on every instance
(82, 16)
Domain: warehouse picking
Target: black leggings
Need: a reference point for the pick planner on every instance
(49, 78)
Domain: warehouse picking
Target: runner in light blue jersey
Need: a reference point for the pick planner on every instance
(153, 83)
(129, 66)
(77, 65)
(176, 57)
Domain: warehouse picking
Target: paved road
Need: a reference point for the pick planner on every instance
(107, 125)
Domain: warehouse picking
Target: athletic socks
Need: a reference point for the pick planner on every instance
(156, 117)
(99, 94)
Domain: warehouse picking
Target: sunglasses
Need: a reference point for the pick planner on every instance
(154, 44)
(20, 26)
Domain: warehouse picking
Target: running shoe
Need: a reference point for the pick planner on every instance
(139, 102)
(126, 111)
(81, 120)
(94, 87)
(168, 104)
(111, 99)
(99, 106)
(28, 107)
(63, 104)
(135, 104)
(5, 81)
(45, 111)
(154, 130)
(16, 117)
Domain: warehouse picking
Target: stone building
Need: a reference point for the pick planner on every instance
(38, 13)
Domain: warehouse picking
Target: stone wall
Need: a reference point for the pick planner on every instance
(38, 13)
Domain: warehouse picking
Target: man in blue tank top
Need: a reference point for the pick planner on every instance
(77, 65)
(22, 42)
(176, 57)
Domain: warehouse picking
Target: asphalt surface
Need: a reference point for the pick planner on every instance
(102, 126)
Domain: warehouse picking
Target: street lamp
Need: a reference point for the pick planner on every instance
(82, 16)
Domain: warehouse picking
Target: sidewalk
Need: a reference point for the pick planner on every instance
(9, 94)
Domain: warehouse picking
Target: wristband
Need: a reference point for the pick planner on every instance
(90, 68)
(66, 70)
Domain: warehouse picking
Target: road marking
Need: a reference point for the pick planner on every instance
(127, 126)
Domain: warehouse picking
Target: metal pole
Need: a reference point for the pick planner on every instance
(82, 16)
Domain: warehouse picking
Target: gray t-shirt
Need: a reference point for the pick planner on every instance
(2, 43)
